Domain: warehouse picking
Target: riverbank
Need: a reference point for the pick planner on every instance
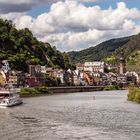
(75, 89)
(134, 94)
(38, 91)
(35, 91)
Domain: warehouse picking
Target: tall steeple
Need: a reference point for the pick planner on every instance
(122, 68)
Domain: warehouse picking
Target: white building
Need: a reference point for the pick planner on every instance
(43, 69)
(76, 78)
(96, 66)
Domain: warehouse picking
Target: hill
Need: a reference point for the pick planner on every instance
(132, 53)
(98, 52)
(21, 48)
(109, 51)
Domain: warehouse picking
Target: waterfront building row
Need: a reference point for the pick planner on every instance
(89, 73)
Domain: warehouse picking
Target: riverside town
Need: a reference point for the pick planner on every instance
(86, 74)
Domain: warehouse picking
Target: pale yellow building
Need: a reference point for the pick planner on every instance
(96, 66)
(2, 78)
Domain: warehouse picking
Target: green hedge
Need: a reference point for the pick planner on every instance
(34, 91)
(52, 81)
(112, 87)
(134, 94)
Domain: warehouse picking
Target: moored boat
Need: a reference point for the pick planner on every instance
(9, 98)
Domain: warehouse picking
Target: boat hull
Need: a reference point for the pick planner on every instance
(10, 105)
(8, 99)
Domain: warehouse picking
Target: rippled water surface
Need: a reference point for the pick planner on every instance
(86, 116)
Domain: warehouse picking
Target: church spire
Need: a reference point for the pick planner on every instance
(122, 68)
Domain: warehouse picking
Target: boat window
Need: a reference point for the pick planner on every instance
(11, 95)
(1, 96)
(4, 95)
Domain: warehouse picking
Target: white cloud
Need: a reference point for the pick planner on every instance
(11, 16)
(28, 22)
(70, 25)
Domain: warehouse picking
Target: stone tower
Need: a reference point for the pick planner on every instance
(122, 68)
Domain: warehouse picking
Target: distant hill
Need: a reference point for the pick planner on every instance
(109, 51)
(98, 52)
(132, 53)
(21, 48)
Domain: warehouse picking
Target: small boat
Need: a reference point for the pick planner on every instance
(9, 98)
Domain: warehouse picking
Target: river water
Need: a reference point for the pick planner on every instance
(102, 115)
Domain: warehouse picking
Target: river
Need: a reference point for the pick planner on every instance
(101, 115)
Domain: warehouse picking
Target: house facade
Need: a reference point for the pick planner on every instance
(96, 66)
(80, 67)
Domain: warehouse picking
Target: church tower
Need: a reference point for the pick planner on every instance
(122, 68)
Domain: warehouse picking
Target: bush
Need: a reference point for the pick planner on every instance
(134, 94)
(112, 87)
(52, 81)
(34, 91)
(137, 97)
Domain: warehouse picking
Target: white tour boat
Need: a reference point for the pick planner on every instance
(9, 98)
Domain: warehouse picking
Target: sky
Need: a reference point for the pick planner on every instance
(73, 25)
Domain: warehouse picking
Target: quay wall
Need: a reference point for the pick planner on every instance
(75, 89)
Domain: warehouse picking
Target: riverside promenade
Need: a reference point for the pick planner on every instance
(75, 89)
(70, 89)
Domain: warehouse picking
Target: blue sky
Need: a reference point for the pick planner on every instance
(38, 10)
(106, 3)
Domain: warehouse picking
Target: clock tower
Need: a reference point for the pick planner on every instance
(122, 68)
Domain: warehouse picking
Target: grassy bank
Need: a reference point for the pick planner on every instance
(36, 91)
(113, 87)
(134, 94)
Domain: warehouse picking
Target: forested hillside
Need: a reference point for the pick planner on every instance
(132, 53)
(21, 48)
(109, 51)
(98, 52)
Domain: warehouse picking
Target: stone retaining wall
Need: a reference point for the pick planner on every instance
(76, 89)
